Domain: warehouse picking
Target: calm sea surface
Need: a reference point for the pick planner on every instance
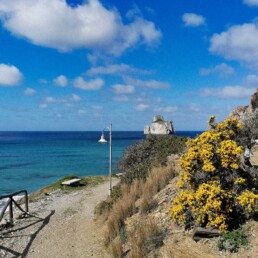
(32, 160)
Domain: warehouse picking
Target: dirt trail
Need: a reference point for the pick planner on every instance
(63, 226)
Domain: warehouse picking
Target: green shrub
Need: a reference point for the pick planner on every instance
(232, 240)
(139, 158)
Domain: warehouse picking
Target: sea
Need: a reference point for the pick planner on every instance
(31, 160)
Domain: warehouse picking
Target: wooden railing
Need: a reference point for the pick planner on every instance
(9, 203)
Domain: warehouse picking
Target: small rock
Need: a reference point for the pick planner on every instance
(3, 222)
(21, 215)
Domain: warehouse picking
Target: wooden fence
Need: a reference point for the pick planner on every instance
(11, 201)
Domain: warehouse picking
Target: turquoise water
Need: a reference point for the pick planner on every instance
(32, 160)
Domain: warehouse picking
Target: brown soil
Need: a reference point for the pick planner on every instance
(61, 225)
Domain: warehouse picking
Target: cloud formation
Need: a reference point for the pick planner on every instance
(252, 80)
(167, 109)
(147, 83)
(61, 81)
(10, 75)
(121, 99)
(193, 20)
(66, 100)
(221, 69)
(115, 69)
(29, 92)
(95, 84)
(228, 92)
(123, 89)
(251, 2)
(142, 107)
(55, 24)
(239, 43)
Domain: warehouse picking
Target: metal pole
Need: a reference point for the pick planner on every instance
(110, 159)
(11, 210)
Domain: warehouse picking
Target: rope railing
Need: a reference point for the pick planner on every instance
(11, 201)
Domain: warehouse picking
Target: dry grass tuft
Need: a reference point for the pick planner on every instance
(117, 248)
(157, 180)
(145, 237)
(134, 197)
(122, 209)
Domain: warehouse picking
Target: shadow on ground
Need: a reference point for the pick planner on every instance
(23, 234)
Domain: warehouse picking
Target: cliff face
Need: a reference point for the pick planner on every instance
(159, 126)
(245, 112)
(242, 111)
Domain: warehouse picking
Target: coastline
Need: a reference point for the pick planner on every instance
(61, 225)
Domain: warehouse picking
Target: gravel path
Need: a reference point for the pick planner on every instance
(62, 226)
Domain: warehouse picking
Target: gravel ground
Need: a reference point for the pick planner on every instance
(61, 225)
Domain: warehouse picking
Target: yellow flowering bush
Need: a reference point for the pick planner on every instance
(214, 188)
(248, 200)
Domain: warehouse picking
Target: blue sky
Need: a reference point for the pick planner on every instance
(76, 65)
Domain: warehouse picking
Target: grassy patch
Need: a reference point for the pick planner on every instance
(85, 182)
(146, 236)
(232, 240)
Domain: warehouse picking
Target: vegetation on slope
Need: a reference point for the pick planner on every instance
(216, 190)
(139, 158)
(146, 173)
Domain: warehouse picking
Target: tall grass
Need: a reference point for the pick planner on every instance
(157, 180)
(129, 199)
(122, 209)
(146, 236)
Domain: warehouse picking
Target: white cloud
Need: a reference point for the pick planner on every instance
(229, 92)
(82, 111)
(147, 83)
(29, 92)
(239, 43)
(142, 107)
(123, 89)
(43, 105)
(194, 107)
(252, 79)
(43, 81)
(116, 69)
(193, 19)
(251, 2)
(167, 109)
(96, 107)
(59, 115)
(66, 100)
(75, 98)
(61, 81)
(95, 84)
(121, 99)
(10, 75)
(221, 69)
(55, 24)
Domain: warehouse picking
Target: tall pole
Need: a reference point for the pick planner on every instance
(110, 159)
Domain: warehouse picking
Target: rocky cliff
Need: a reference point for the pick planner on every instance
(242, 111)
(248, 116)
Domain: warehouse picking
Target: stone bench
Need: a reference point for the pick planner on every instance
(72, 182)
